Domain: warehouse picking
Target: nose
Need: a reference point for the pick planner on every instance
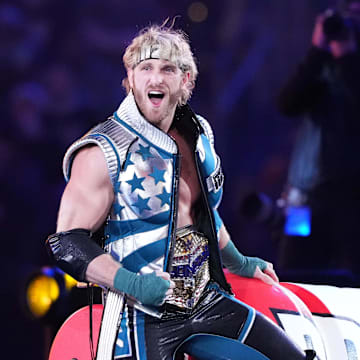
(156, 78)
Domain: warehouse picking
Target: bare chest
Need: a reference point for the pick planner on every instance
(189, 186)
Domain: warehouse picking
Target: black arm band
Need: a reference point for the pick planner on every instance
(73, 250)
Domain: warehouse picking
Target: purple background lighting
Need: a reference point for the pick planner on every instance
(61, 71)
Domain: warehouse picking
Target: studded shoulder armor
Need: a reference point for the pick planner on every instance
(112, 138)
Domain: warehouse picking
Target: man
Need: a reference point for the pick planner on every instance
(325, 171)
(151, 174)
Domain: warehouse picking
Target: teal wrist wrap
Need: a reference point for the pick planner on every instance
(149, 289)
(239, 264)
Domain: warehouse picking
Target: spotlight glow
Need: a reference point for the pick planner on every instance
(41, 293)
(198, 11)
(70, 282)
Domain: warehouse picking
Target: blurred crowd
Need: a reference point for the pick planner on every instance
(50, 96)
(61, 71)
(52, 53)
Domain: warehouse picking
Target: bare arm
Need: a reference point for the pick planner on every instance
(85, 204)
(88, 195)
(224, 237)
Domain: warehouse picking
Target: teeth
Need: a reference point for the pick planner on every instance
(155, 94)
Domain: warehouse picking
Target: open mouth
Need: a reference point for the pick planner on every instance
(155, 96)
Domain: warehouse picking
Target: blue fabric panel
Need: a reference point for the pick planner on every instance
(140, 335)
(209, 162)
(119, 229)
(122, 347)
(139, 258)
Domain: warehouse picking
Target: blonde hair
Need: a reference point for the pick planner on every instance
(168, 44)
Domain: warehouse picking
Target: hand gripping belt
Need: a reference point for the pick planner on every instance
(73, 250)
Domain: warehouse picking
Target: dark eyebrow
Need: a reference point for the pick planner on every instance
(172, 66)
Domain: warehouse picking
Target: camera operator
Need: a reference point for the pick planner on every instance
(325, 166)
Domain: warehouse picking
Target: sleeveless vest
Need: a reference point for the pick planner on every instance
(143, 165)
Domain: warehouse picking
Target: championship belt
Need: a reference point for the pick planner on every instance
(189, 268)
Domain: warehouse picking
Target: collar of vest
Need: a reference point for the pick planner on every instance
(129, 113)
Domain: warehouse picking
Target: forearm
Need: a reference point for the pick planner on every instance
(84, 207)
(78, 255)
(102, 270)
(239, 264)
(149, 289)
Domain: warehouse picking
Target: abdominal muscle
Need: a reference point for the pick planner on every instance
(189, 186)
(185, 211)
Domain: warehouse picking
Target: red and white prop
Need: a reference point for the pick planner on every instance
(320, 317)
(324, 318)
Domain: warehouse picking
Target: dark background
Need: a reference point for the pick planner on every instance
(61, 71)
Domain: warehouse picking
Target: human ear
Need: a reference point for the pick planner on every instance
(186, 78)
